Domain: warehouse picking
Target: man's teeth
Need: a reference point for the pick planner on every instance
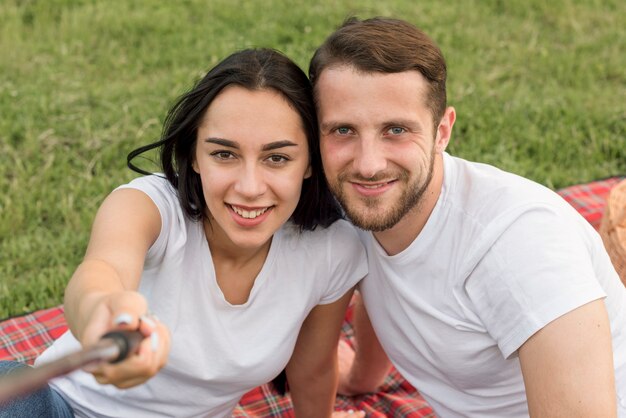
(249, 214)
(372, 186)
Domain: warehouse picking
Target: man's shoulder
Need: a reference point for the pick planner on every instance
(483, 192)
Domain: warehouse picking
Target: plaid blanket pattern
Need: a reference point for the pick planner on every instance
(590, 199)
(23, 338)
(396, 398)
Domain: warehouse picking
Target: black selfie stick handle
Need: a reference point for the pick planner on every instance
(113, 347)
(127, 342)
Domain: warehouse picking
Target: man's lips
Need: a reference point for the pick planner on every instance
(370, 189)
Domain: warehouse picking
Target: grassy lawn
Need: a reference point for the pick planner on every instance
(539, 88)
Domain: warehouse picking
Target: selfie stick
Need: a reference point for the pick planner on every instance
(113, 347)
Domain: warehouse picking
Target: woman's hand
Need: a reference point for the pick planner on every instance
(126, 310)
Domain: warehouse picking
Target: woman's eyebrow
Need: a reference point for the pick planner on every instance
(223, 142)
(267, 147)
(278, 144)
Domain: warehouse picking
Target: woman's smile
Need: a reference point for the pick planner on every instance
(249, 217)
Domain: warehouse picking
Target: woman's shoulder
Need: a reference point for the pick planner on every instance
(157, 187)
(156, 182)
(164, 196)
(340, 227)
(340, 236)
(344, 230)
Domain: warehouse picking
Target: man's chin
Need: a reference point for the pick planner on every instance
(371, 221)
(368, 213)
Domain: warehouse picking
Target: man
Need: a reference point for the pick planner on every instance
(487, 291)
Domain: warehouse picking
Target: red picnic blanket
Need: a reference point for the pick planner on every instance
(23, 338)
(590, 199)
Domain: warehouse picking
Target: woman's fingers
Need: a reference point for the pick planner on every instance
(142, 365)
(118, 310)
(127, 308)
(128, 311)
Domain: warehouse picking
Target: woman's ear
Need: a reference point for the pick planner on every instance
(309, 172)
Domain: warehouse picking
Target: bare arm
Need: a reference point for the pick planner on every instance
(568, 366)
(105, 284)
(312, 370)
(365, 370)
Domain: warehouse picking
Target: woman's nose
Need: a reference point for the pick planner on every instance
(251, 182)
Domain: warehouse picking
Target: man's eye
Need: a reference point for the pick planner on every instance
(396, 130)
(343, 130)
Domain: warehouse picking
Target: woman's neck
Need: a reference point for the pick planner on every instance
(236, 268)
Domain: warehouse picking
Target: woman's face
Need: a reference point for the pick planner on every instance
(252, 156)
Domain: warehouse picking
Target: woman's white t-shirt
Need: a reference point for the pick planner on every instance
(219, 351)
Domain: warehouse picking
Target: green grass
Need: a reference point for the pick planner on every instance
(539, 89)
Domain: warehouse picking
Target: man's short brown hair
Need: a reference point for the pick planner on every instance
(385, 45)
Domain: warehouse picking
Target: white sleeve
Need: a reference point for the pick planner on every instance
(538, 267)
(164, 196)
(348, 262)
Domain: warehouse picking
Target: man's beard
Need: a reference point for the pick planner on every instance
(379, 220)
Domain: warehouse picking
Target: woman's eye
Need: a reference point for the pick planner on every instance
(222, 155)
(343, 130)
(277, 159)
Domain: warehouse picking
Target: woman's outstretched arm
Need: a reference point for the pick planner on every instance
(102, 293)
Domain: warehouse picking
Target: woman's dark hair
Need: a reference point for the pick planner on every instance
(253, 69)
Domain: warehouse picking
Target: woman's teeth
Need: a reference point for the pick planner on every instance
(249, 214)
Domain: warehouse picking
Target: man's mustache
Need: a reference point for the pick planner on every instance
(378, 177)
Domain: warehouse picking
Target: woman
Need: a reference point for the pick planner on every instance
(239, 251)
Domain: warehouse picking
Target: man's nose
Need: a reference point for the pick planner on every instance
(369, 159)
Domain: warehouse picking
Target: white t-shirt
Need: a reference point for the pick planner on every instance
(499, 258)
(219, 351)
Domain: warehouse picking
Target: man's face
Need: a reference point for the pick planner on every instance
(377, 142)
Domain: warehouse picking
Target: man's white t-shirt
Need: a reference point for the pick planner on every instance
(499, 258)
(219, 351)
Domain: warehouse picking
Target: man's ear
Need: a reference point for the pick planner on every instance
(444, 130)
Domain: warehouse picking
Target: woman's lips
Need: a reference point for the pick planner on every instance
(247, 216)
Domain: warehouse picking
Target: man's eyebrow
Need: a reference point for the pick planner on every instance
(411, 124)
(327, 126)
(267, 147)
